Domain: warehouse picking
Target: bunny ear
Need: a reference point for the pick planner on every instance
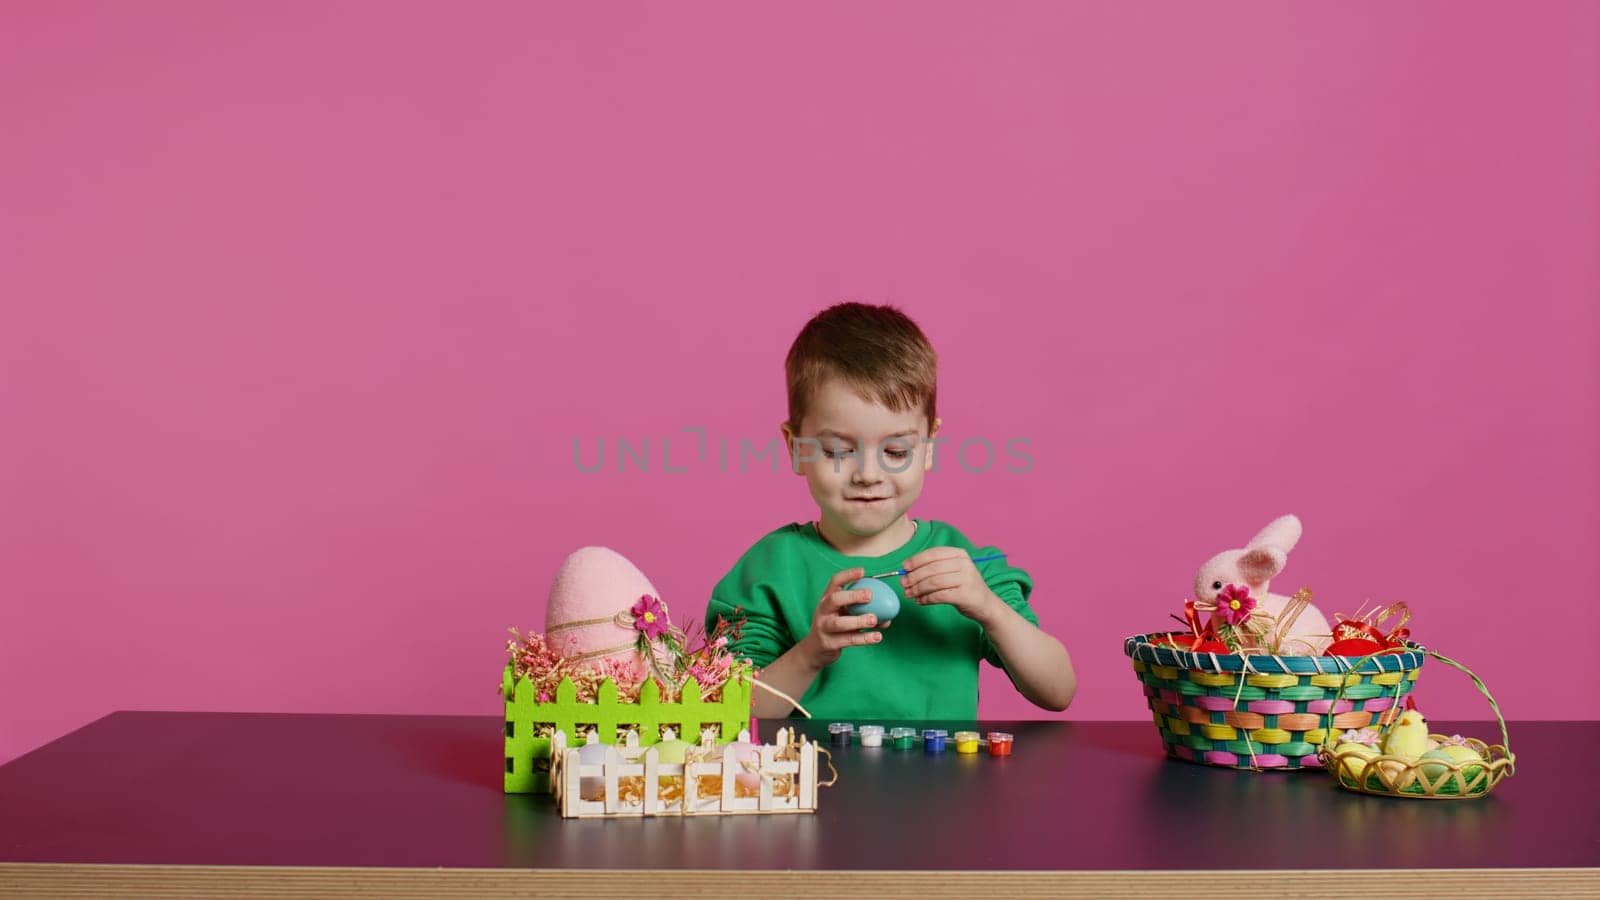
(1259, 564)
(1282, 533)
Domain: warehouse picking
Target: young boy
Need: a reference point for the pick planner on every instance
(861, 418)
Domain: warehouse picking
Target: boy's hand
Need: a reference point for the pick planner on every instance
(831, 629)
(948, 575)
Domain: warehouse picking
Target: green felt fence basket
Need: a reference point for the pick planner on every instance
(1263, 712)
(530, 724)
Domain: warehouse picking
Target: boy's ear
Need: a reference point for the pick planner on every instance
(933, 432)
(788, 446)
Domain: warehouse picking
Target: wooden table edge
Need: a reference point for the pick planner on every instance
(100, 880)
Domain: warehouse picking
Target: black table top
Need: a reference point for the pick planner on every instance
(342, 790)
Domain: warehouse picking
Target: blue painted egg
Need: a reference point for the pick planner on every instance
(885, 603)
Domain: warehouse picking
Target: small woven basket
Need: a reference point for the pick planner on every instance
(1262, 712)
(1433, 779)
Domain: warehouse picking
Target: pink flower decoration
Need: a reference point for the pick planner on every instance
(1235, 603)
(1367, 736)
(1454, 740)
(650, 616)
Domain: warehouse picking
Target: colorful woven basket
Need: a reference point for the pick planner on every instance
(1264, 712)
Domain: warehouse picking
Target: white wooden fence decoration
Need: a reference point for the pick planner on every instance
(794, 767)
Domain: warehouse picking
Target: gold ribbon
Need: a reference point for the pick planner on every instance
(625, 620)
(1370, 625)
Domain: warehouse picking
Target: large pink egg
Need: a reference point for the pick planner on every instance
(593, 586)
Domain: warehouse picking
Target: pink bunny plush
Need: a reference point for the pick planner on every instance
(1252, 566)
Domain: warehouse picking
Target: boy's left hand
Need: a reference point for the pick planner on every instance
(947, 575)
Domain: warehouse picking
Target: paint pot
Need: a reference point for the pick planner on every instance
(871, 735)
(999, 743)
(966, 741)
(933, 740)
(903, 738)
(841, 732)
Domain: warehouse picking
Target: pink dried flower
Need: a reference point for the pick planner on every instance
(1364, 736)
(675, 655)
(650, 617)
(1235, 603)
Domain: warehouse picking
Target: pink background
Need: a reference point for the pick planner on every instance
(304, 306)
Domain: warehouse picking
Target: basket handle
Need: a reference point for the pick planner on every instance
(1505, 738)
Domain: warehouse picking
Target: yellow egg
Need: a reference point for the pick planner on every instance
(671, 752)
(1352, 758)
(1462, 753)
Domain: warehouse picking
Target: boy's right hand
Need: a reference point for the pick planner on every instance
(832, 629)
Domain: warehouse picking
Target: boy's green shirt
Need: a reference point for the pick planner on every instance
(926, 667)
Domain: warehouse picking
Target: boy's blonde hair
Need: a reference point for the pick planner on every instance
(876, 350)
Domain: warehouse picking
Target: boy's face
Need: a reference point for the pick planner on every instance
(863, 462)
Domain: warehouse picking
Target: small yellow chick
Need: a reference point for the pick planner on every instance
(1408, 736)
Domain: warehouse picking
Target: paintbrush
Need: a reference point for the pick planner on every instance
(976, 559)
